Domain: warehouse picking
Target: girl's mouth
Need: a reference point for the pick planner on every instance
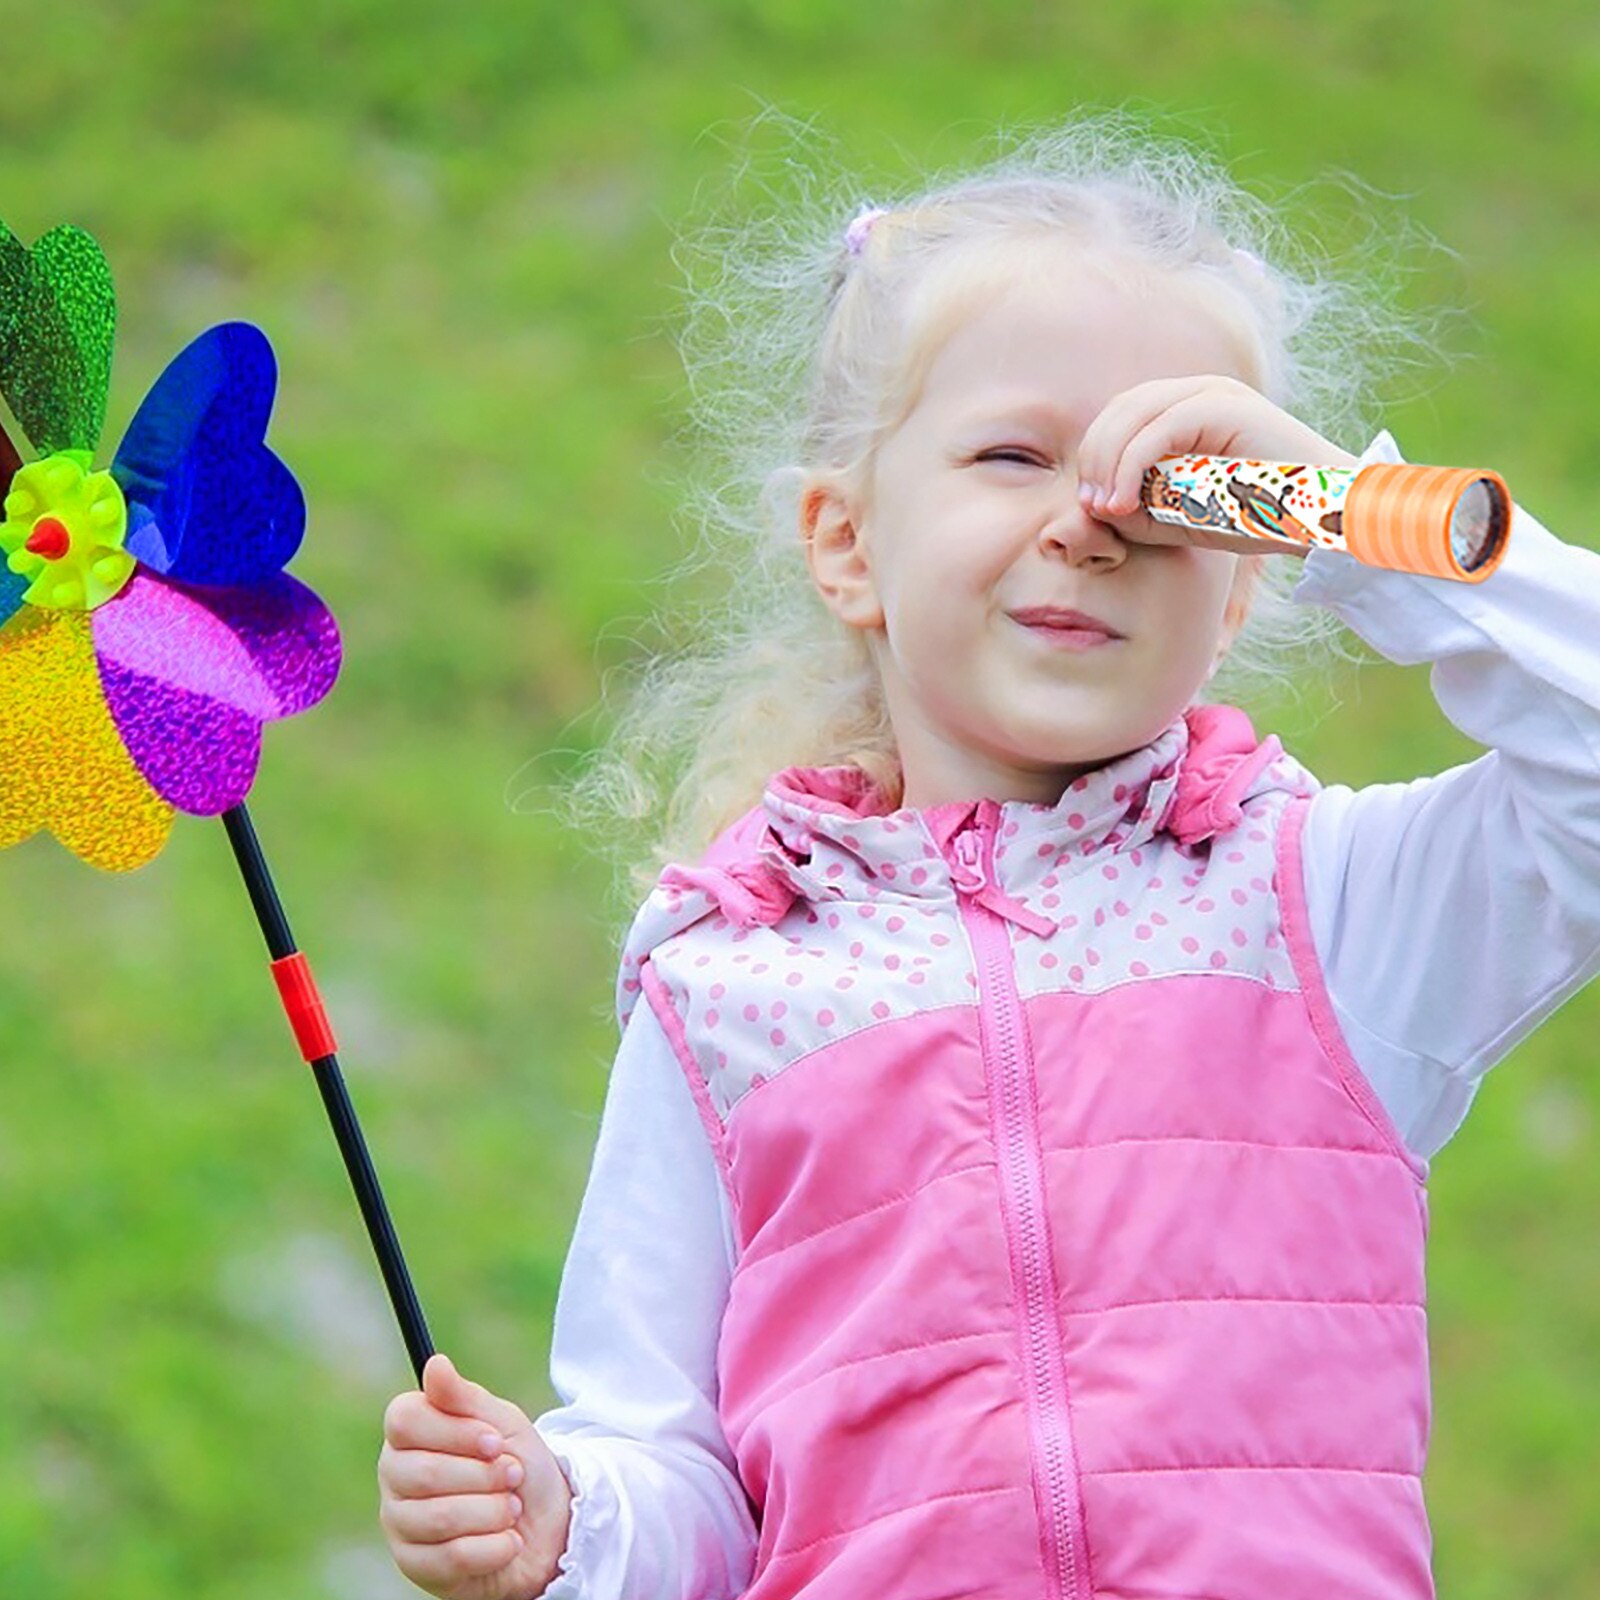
(1067, 638)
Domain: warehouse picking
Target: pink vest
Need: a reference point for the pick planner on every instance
(1076, 1257)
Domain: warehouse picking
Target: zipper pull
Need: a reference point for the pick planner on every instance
(966, 871)
(967, 874)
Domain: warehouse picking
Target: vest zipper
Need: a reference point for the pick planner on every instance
(1002, 1034)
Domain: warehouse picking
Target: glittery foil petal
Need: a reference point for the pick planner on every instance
(57, 318)
(208, 502)
(73, 262)
(12, 589)
(200, 754)
(62, 762)
(191, 673)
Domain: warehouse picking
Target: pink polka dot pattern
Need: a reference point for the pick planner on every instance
(854, 971)
(874, 929)
(1169, 911)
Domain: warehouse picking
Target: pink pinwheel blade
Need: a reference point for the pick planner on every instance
(191, 672)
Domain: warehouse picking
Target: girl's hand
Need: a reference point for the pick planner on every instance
(1208, 415)
(474, 1503)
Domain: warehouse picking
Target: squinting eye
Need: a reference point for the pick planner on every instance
(1008, 455)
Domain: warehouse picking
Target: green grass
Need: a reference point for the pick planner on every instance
(455, 225)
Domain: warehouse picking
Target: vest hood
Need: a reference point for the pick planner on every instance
(827, 833)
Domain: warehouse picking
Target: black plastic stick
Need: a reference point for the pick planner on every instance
(304, 1007)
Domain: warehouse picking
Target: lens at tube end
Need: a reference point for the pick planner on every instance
(1477, 524)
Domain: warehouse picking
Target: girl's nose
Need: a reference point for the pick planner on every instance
(1080, 534)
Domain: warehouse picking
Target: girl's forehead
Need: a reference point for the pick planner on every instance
(1052, 360)
(1059, 328)
(1007, 408)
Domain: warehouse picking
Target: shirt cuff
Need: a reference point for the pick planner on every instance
(593, 1509)
(1326, 572)
(1411, 617)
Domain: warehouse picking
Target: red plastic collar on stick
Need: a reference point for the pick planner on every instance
(301, 1001)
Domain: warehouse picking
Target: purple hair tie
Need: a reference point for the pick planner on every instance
(855, 236)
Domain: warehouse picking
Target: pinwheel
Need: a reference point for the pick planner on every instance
(147, 627)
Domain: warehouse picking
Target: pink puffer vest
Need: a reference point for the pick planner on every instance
(1076, 1258)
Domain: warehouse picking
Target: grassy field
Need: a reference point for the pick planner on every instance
(455, 224)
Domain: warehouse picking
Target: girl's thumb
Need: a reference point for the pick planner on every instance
(443, 1385)
(449, 1391)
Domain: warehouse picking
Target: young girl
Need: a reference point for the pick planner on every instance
(1012, 1177)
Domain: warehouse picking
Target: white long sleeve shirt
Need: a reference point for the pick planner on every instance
(1452, 914)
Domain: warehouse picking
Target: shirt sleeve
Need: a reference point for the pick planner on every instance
(1453, 914)
(659, 1512)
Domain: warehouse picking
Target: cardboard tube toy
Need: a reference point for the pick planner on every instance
(1442, 522)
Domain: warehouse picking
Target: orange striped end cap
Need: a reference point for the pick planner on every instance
(1444, 522)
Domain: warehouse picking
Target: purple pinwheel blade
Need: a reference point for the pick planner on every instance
(190, 675)
(208, 502)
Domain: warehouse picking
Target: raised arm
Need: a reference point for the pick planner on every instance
(1452, 914)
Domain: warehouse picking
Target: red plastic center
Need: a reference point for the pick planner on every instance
(49, 538)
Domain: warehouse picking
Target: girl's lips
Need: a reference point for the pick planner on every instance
(1067, 638)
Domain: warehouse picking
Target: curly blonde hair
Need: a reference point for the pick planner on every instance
(802, 356)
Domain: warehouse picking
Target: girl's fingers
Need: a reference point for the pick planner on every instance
(1106, 437)
(470, 1556)
(1193, 423)
(416, 1474)
(450, 1516)
(449, 1391)
(413, 1422)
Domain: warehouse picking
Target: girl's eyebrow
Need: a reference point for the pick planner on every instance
(1039, 412)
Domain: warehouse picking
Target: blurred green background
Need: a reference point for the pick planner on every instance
(455, 224)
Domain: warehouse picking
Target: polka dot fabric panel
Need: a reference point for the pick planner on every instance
(821, 922)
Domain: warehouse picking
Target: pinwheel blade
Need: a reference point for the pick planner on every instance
(191, 674)
(208, 501)
(12, 589)
(63, 766)
(57, 319)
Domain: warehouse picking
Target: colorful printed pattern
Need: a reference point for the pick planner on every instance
(1282, 501)
(1448, 522)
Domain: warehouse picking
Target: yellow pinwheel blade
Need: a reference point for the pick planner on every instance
(63, 765)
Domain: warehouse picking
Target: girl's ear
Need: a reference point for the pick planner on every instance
(1247, 575)
(836, 553)
(1246, 578)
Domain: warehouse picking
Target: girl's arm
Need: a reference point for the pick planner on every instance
(1453, 914)
(658, 1512)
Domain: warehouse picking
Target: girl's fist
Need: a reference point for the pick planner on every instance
(1211, 415)
(473, 1502)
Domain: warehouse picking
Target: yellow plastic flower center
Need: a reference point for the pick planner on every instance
(64, 529)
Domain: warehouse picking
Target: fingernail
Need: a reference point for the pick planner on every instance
(489, 1443)
(514, 1474)
(516, 1506)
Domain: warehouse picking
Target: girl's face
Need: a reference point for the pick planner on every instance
(972, 512)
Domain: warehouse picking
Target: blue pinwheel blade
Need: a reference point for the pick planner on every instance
(208, 502)
(12, 588)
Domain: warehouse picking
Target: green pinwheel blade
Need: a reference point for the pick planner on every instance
(58, 313)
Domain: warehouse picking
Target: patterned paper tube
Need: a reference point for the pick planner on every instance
(1443, 522)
